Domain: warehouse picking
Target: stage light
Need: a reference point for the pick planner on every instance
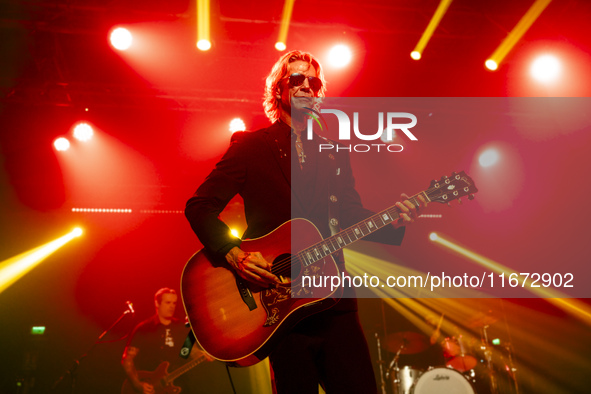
(433, 23)
(83, 132)
(545, 68)
(234, 233)
(491, 65)
(518, 31)
(433, 236)
(16, 267)
(37, 330)
(280, 46)
(204, 45)
(203, 39)
(121, 38)
(339, 56)
(488, 158)
(577, 308)
(103, 210)
(284, 27)
(61, 144)
(237, 124)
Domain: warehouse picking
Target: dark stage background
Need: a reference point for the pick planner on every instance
(161, 113)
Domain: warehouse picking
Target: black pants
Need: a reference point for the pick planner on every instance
(327, 348)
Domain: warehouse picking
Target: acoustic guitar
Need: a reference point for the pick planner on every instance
(238, 322)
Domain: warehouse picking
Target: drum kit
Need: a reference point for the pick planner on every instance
(471, 366)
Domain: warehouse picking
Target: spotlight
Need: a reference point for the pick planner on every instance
(488, 158)
(545, 68)
(515, 35)
(430, 29)
(14, 268)
(204, 45)
(83, 132)
(433, 236)
(61, 144)
(491, 65)
(340, 55)
(121, 38)
(77, 232)
(234, 233)
(203, 16)
(237, 124)
(284, 27)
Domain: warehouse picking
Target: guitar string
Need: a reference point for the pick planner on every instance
(349, 232)
(284, 263)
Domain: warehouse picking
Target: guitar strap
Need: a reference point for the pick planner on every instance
(188, 345)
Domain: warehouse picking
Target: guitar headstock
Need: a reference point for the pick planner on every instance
(451, 188)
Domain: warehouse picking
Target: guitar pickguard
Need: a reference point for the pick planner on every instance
(272, 297)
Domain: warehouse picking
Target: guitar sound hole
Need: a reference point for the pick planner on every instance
(282, 267)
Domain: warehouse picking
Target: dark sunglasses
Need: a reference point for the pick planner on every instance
(298, 79)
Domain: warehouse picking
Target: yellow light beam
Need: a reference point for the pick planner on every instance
(515, 35)
(433, 23)
(260, 377)
(203, 38)
(16, 267)
(285, 19)
(405, 300)
(577, 308)
(398, 281)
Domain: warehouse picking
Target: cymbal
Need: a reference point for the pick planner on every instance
(482, 319)
(410, 342)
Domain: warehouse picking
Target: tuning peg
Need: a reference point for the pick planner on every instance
(471, 197)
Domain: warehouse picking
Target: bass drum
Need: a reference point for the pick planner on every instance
(443, 380)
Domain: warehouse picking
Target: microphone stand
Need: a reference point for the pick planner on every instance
(381, 363)
(394, 363)
(73, 370)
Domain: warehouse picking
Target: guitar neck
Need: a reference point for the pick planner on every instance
(354, 233)
(184, 368)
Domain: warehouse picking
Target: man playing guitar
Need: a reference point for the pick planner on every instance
(327, 348)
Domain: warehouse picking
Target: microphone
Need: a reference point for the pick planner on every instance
(129, 307)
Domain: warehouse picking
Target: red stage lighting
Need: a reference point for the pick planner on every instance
(121, 38)
(237, 124)
(339, 56)
(204, 45)
(488, 158)
(545, 68)
(61, 144)
(491, 65)
(83, 132)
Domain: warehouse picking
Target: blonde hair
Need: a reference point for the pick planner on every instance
(279, 71)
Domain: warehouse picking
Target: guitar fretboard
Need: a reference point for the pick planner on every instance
(352, 234)
(184, 368)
